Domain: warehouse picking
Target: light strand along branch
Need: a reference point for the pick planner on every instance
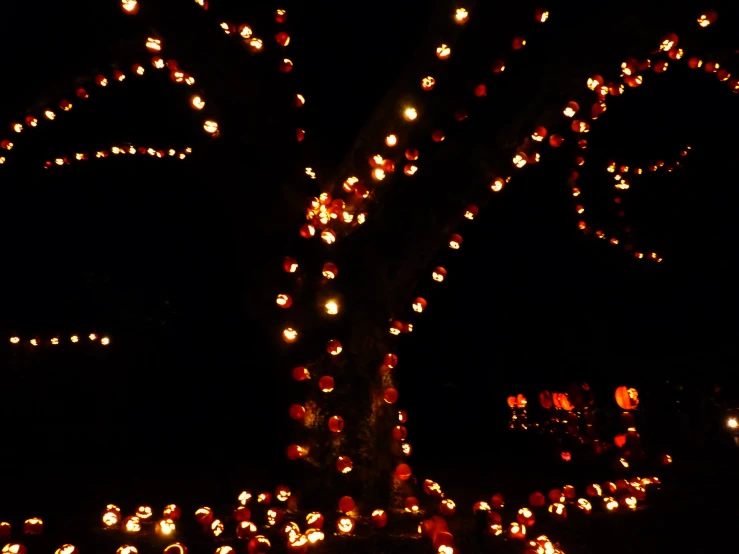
(122, 150)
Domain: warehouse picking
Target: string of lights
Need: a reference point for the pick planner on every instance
(154, 45)
(56, 341)
(632, 75)
(128, 150)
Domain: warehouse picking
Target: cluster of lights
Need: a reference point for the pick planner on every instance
(624, 494)
(632, 76)
(570, 418)
(56, 341)
(238, 523)
(128, 150)
(346, 205)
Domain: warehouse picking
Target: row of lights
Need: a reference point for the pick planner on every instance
(273, 509)
(120, 150)
(105, 341)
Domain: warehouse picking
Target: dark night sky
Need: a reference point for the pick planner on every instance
(143, 252)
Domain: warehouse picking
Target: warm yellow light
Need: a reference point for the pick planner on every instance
(55, 341)
(15, 340)
(211, 127)
(92, 336)
(133, 524)
(332, 307)
(732, 423)
(461, 16)
(255, 45)
(74, 338)
(328, 236)
(197, 102)
(378, 174)
(130, 6)
(49, 115)
(105, 341)
(391, 140)
(110, 517)
(166, 527)
(314, 536)
(427, 83)
(704, 20)
(153, 44)
(410, 114)
(216, 527)
(443, 51)
(34, 342)
(290, 335)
